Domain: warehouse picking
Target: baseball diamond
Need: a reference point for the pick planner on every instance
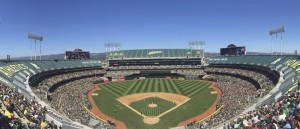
(131, 101)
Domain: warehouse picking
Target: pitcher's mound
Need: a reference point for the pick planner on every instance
(151, 120)
(152, 105)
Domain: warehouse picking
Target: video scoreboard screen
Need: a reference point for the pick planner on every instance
(233, 51)
(77, 55)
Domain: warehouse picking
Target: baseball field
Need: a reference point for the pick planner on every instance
(154, 103)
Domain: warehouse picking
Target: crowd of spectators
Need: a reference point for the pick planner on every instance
(237, 94)
(158, 67)
(69, 98)
(264, 81)
(17, 112)
(122, 73)
(186, 72)
(42, 88)
(282, 114)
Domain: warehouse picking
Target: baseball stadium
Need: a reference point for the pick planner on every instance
(149, 89)
(153, 76)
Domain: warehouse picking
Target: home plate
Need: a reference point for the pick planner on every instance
(151, 120)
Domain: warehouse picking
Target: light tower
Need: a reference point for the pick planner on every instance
(198, 46)
(113, 50)
(35, 38)
(276, 31)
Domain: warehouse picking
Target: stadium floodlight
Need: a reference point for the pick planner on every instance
(198, 45)
(35, 37)
(196, 42)
(276, 31)
(110, 47)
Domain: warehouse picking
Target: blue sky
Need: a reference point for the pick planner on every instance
(139, 24)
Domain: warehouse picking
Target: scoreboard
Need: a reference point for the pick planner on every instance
(77, 54)
(233, 51)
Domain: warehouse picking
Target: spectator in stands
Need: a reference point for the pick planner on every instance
(16, 103)
(68, 98)
(281, 114)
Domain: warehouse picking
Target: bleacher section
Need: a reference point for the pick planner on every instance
(154, 53)
(287, 66)
(189, 72)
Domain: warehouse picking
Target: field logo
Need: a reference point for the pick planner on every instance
(154, 52)
(9, 70)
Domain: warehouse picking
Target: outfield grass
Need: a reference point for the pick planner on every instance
(199, 92)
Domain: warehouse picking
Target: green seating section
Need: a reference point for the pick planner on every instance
(14, 73)
(154, 53)
(261, 60)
